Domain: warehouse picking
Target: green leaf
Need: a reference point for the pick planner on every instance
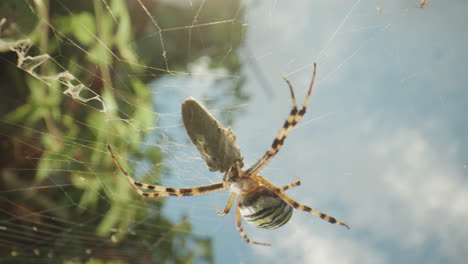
(99, 54)
(19, 114)
(44, 166)
(90, 196)
(83, 27)
(80, 25)
(143, 114)
(124, 38)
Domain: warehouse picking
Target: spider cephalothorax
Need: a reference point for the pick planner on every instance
(260, 203)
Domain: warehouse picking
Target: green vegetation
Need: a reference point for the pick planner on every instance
(62, 198)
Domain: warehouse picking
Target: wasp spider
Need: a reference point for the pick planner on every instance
(259, 202)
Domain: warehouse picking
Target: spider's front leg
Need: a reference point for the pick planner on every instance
(162, 191)
(294, 117)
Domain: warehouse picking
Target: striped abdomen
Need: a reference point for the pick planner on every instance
(264, 209)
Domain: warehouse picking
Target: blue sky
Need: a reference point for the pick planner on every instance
(383, 146)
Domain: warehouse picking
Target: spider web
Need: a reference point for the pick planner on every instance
(381, 148)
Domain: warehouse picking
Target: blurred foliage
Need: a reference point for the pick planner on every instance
(50, 139)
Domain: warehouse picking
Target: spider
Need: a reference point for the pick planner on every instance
(260, 203)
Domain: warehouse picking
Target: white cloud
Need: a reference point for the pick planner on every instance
(427, 187)
(306, 245)
(406, 190)
(412, 192)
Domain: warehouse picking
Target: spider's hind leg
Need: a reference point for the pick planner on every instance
(241, 230)
(297, 205)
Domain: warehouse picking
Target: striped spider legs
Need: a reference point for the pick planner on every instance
(259, 202)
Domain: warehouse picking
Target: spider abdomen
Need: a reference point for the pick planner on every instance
(264, 209)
